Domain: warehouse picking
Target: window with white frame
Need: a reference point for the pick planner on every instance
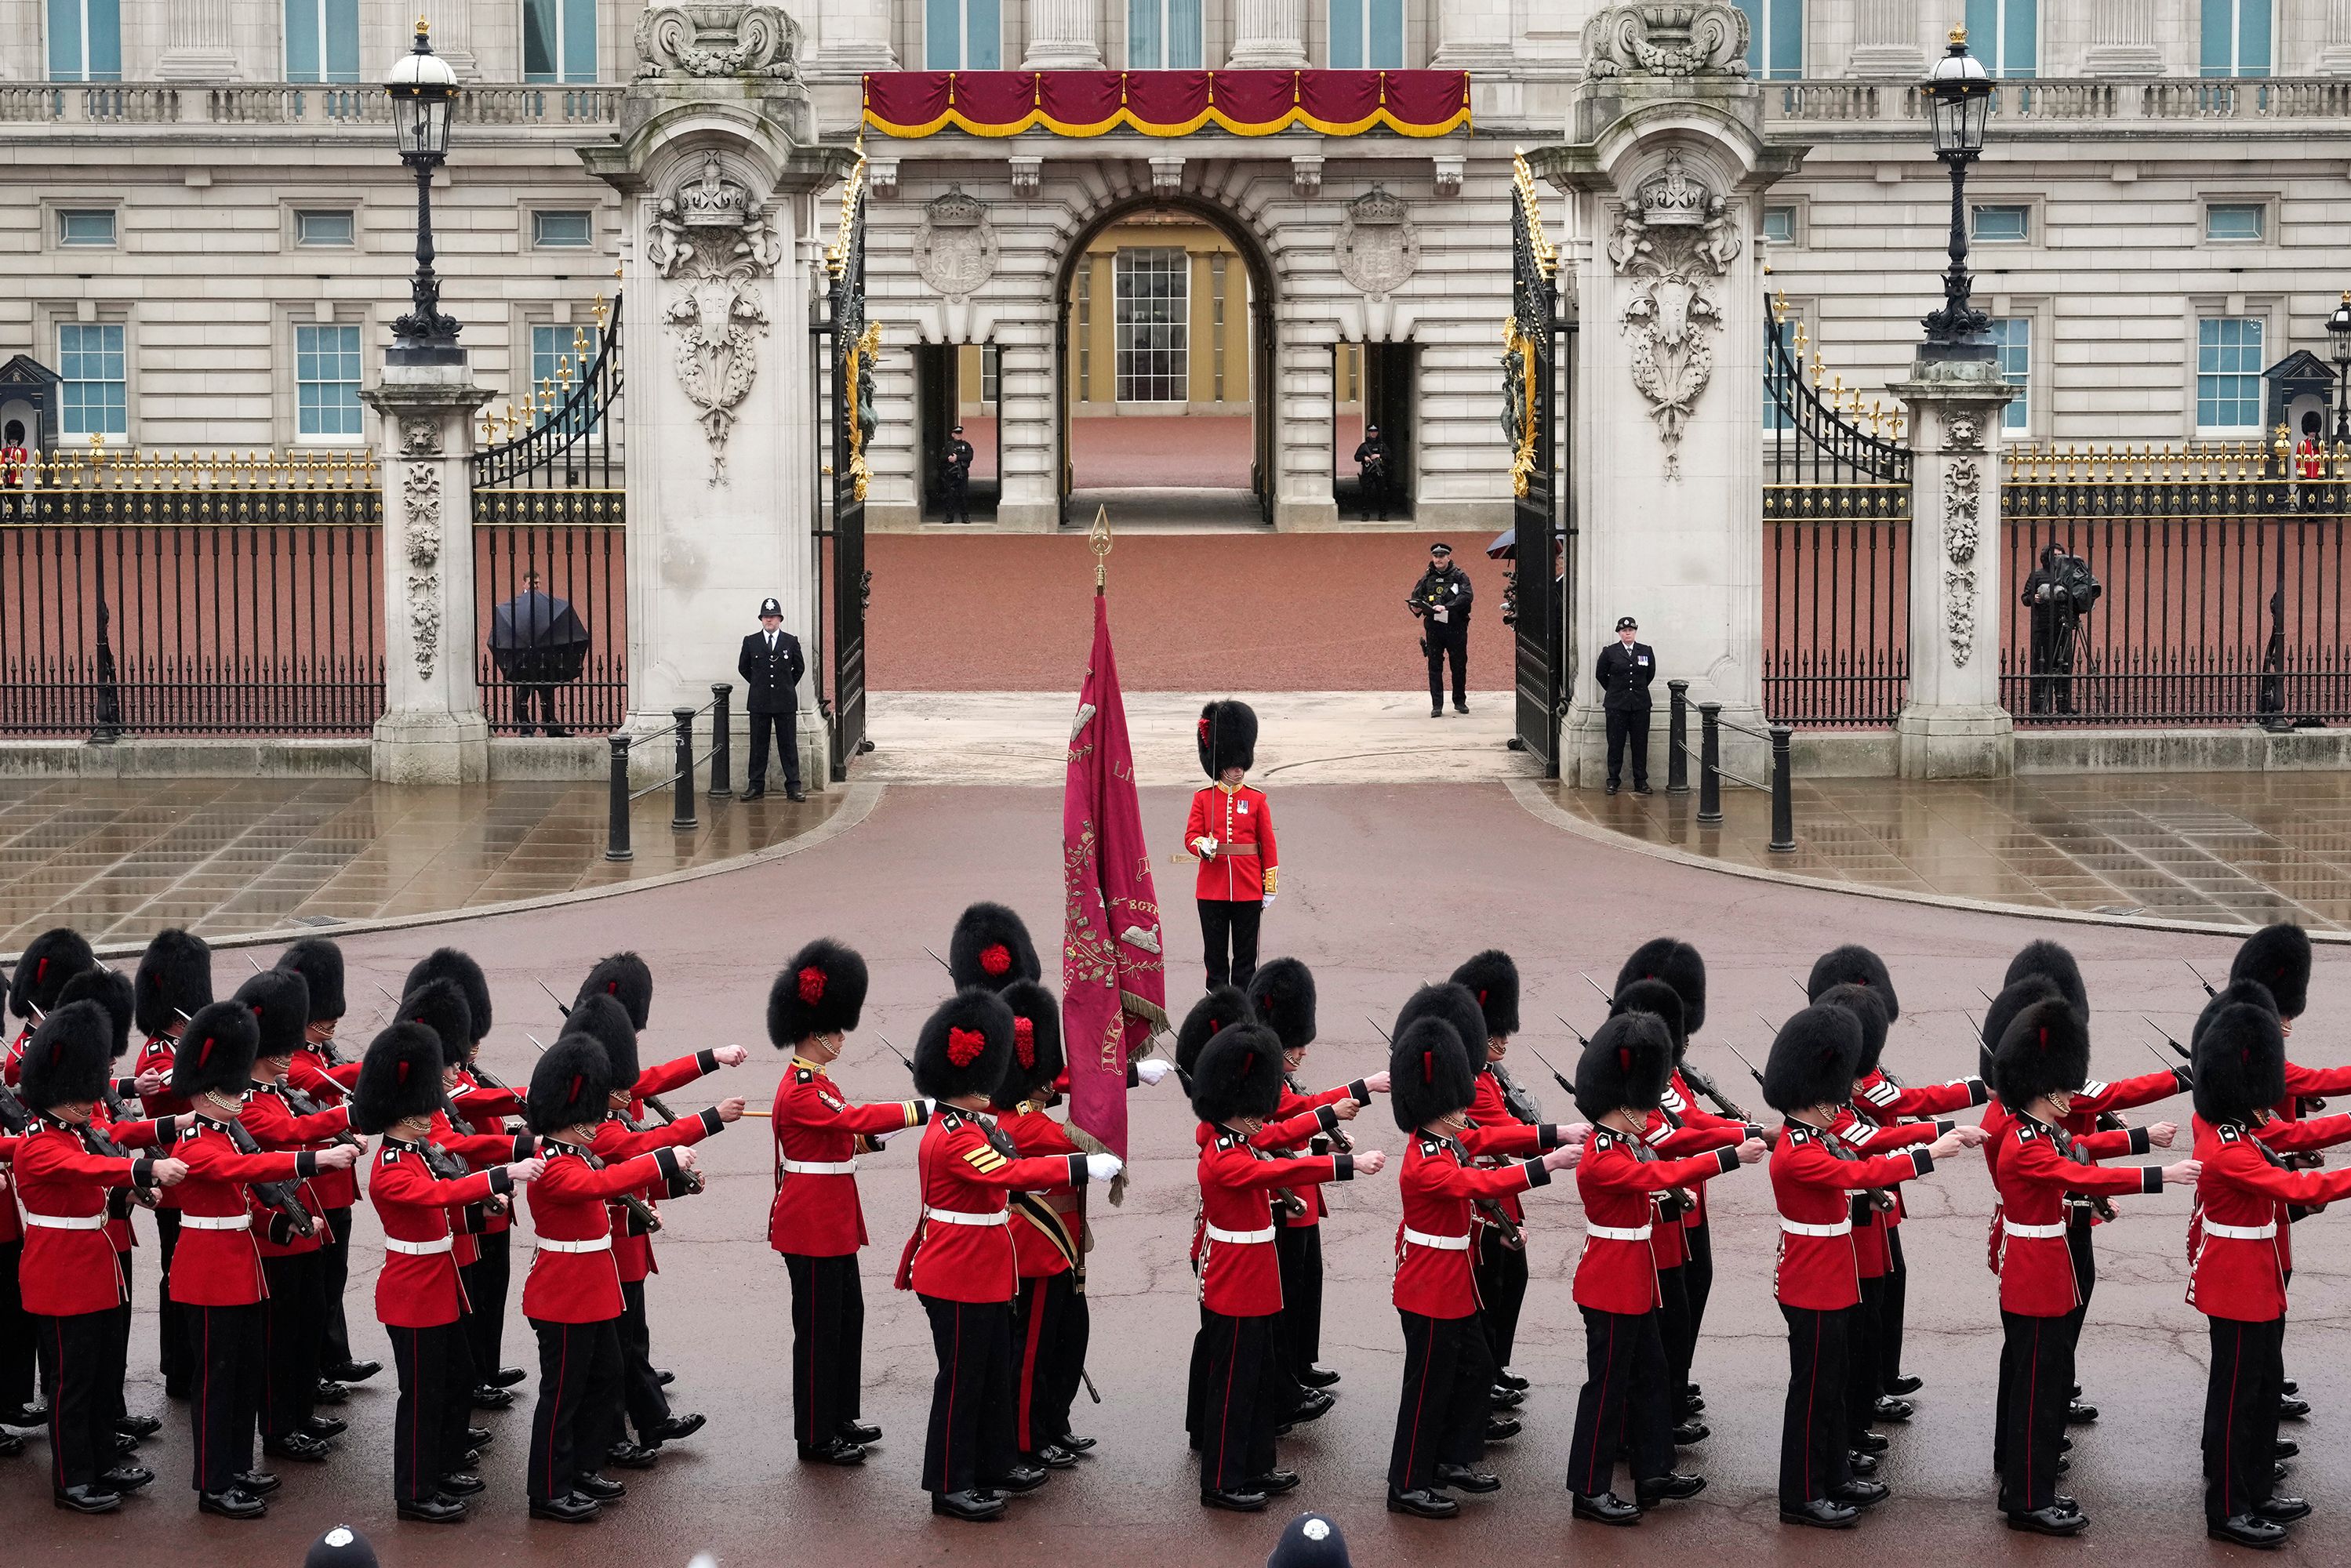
(1775, 38)
(569, 229)
(991, 374)
(2011, 339)
(2228, 374)
(2001, 223)
(1154, 322)
(2236, 223)
(327, 382)
(1779, 224)
(962, 34)
(1366, 35)
(1782, 382)
(559, 40)
(1163, 35)
(554, 350)
(85, 40)
(2236, 39)
(86, 228)
(94, 397)
(327, 229)
(323, 40)
(2004, 35)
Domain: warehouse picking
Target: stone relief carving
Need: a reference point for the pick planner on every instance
(1666, 39)
(420, 500)
(954, 250)
(719, 40)
(420, 437)
(1378, 248)
(1962, 512)
(710, 244)
(1673, 240)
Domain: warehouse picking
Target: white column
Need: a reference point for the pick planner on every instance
(1268, 34)
(2122, 40)
(1886, 40)
(2334, 55)
(453, 34)
(200, 48)
(1061, 37)
(1027, 444)
(852, 36)
(1304, 391)
(1473, 35)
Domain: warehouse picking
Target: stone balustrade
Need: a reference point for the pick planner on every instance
(2087, 100)
(310, 105)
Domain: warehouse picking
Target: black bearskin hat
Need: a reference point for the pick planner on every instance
(454, 964)
(67, 1061)
(1456, 1006)
(990, 947)
(110, 989)
(821, 991)
(280, 1001)
(216, 1050)
(440, 1006)
(1869, 1007)
(1675, 962)
(2279, 957)
(2046, 1048)
(1240, 1074)
(1655, 997)
(1217, 1010)
(2019, 994)
(572, 1084)
(1815, 1057)
(175, 977)
(2055, 963)
(964, 1045)
(1853, 964)
(1493, 980)
(2238, 1054)
(399, 1077)
(1626, 1067)
(1037, 1054)
(625, 978)
(320, 964)
(1430, 1073)
(1228, 736)
(1282, 995)
(603, 1019)
(51, 961)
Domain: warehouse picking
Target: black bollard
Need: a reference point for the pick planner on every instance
(1710, 762)
(722, 742)
(616, 829)
(1677, 738)
(680, 816)
(1783, 808)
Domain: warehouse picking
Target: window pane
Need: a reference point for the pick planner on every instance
(302, 40)
(327, 380)
(1787, 38)
(2229, 372)
(1154, 321)
(1386, 27)
(1779, 224)
(982, 35)
(554, 231)
(579, 40)
(64, 40)
(90, 362)
(554, 349)
(2233, 221)
(2011, 339)
(94, 227)
(2001, 223)
(2019, 48)
(324, 228)
(1347, 35)
(2253, 37)
(1144, 47)
(541, 49)
(1777, 381)
(1184, 43)
(102, 34)
(342, 24)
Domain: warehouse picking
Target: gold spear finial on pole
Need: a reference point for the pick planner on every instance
(1099, 541)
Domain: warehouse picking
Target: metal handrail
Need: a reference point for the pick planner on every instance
(641, 794)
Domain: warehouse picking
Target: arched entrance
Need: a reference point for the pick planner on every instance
(1164, 356)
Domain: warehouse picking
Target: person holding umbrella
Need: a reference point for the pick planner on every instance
(536, 643)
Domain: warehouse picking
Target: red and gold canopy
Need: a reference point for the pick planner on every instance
(1166, 103)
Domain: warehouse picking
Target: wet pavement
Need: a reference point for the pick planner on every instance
(1385, 886)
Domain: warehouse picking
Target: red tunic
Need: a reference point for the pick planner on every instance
(155, 1056)
(1240, 1276)
(2236, 1237)
(1433, 1272)
(2310, 1083)
(816, 1213)
(1679, 1102)
(632, 1244)
(1674, 1139)
(68, 1265)
(217, 1263)
(963, 1247)
(1618, 1180)
(1495, 1133)
(2038, 1166)
(1243, 860)
(485, 1112)
(1039, 1253)
(1865, 1136)
(469, 1221)
(327, 1087)
(1274, 1138)
(1294, 1108)
(573, 1278)
(275, 1126)
(1815, 1180)
(418, 1288)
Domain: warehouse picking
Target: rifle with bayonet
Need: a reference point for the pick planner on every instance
(1514, 1238)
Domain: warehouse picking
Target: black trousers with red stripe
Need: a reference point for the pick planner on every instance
(1501, 1291)
(970, 1442)
(641, 1391)
(173, 1355)
(77, 1361)
(294, 1318)
(1624, 1404)
(1448, 1389)
(1865, 1351)
(577, 1417)
(487, 1281)
(1298, 1254)
(118, 1348)
(1673, 1329)
(828, 1345)
(334, 1274)
(16, 1331)
(2036, 1375)
(1046, 1366)
(1240, 1399)
(224, 1366)
(2241, 1414)
(1813, 1428)
(426, 1364)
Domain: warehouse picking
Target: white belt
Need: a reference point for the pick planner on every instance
(2033, 1232)
(98, 1221)
(1245, 1238)
(1442, 1243)
(961, 1217)
(595, 1244)
(820, 1167)
(1798, 1228)
(217, 1221)
(1617, 1232)
(2225, 1232)
(418, 1249)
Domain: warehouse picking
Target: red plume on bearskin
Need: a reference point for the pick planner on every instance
(1430, 1075)
(216, 1051)
(964, 1045)
(821, 990)
(570, 1085)
(280, 1001)
(1281, 994)
(1626, 1067)
(399, 1077)
(49, 962)
(991, 946)
(626, 978)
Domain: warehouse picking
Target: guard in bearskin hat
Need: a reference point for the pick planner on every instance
(325, 1078)
(174, 979)
(1230, 830)
(627, 979)
(1809, 1079)
(1217, 1009)
(960, 1259)
(49, 962)
(571, 1295)
(52, 959)
(1853, 964)
(2041, 1064)
(991, 948)
(1448, 1366)
(1620, 1079)
(2052, 962)
(1500, 1110)
(1236, 1087)
(816, 1220)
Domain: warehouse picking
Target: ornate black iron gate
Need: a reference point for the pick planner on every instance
(854, 342)
(1530, 375)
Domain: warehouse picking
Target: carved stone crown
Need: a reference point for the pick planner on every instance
(713, 201)
(955, 211)
(1377, 206)
(1666, 39)
(1672, 199)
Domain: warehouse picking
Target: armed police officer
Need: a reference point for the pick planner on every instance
(1371, 472)
(1441, 599)
(955, 473)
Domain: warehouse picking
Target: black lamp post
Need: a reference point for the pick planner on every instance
(2338, 332)
(1958, 104)
(424, 94)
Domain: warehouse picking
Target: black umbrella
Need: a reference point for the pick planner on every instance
(1505, 545)
(536, 636)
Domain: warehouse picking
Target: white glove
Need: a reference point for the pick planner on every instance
(1269, 902)
(1205, 846)
(1151, 1073)
(1103, 1168)
(886, 1137)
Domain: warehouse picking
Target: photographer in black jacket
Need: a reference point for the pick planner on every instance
(2059, 591)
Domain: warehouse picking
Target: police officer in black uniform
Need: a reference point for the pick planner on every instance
(1441, 599)
(772, 667)
(1371, 472)
(955, 473)
(1624, 669)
